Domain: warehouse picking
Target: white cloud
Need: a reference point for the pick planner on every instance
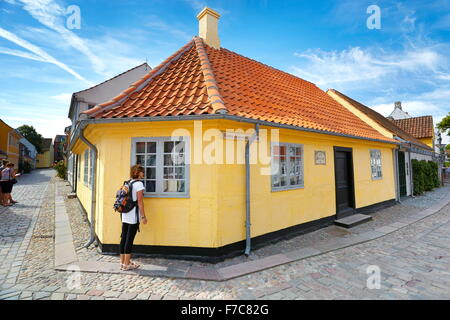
(356, 64)
(38, 52)
(50, 14)
(64, 97)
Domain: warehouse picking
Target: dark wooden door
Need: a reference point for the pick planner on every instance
(402, 173)
(343, 165)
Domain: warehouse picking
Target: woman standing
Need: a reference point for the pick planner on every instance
(3, 166)
(131, 219)
(7, 175)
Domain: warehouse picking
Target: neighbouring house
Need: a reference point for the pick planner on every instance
(9, 143)
(28, 153)
(236, 154)
(421, 128)
(58, 148)
(45, 158)
(408, 149)
(88, 98)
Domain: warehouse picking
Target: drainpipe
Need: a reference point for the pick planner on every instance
(247, 188)
(93, 188)
(411, 181)
(396, 174)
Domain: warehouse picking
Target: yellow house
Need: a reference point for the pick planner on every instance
(45, 158)
(9, 143)
(236, 154)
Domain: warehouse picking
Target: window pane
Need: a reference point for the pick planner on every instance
(151, 160)
(178, 159)
(140, 147)
(168, 146)
(150, 186)
(151, 173)
(276, 181)
(168, 160)
(140, 160)
(179, 172)
(179, 147)
(283, 166)
(298, 151)
(168, 173)
(180, 185)
(170, 186)
(151, 147)
(283, 182)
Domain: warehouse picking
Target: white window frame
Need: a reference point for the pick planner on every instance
(160, 165)
(86, 168)
(376, 166)
(288, 164)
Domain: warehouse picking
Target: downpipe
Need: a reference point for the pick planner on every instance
(254, 137)
(93, 191)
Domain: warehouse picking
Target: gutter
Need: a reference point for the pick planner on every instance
(248, 236)
(93, 188)
(85, 122)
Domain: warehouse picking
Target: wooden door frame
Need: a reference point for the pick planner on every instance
(352, 178)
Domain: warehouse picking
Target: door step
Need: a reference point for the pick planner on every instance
(353, 220)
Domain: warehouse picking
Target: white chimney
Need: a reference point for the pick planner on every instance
(209, 27)
(398, 105)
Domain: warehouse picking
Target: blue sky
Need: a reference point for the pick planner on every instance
(42, 62)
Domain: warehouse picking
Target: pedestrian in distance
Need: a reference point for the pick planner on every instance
(3, 166)
(131, 219)
(7, 178)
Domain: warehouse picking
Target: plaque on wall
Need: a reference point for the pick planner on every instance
(321, 157)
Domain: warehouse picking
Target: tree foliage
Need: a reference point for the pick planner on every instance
(29, 133)
(444, 125)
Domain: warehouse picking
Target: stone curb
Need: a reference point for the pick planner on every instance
(66, 259)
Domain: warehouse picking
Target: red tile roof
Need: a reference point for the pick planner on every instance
(199, 79)
(381, 120)
(419, 127)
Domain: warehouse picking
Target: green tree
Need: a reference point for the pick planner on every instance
(29, 133)
(444, 125)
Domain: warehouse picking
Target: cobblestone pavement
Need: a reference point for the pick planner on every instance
(414, 262)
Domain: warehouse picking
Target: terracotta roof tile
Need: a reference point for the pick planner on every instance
(419, 127)
(199, 79)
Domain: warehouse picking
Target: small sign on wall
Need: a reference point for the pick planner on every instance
(320, 157)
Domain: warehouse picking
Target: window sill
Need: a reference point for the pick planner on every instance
(287, 188)
(165, 196)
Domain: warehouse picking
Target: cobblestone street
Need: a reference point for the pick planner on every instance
(414, 261)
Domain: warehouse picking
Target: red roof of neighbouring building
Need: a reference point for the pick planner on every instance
(418, 127)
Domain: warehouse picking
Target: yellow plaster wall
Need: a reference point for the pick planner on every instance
(272, 211)
(214, 214)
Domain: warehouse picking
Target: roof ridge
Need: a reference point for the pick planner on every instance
(210, 81)
(383, 121)
(270, 67)
(139, 84)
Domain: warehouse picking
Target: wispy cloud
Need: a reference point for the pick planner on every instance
(52, 15)
(356, 64)
(39, 53)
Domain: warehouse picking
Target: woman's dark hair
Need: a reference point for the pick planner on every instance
(10, 165)
(5, 162)
(135, 170)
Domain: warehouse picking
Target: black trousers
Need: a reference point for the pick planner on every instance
(127, 237)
